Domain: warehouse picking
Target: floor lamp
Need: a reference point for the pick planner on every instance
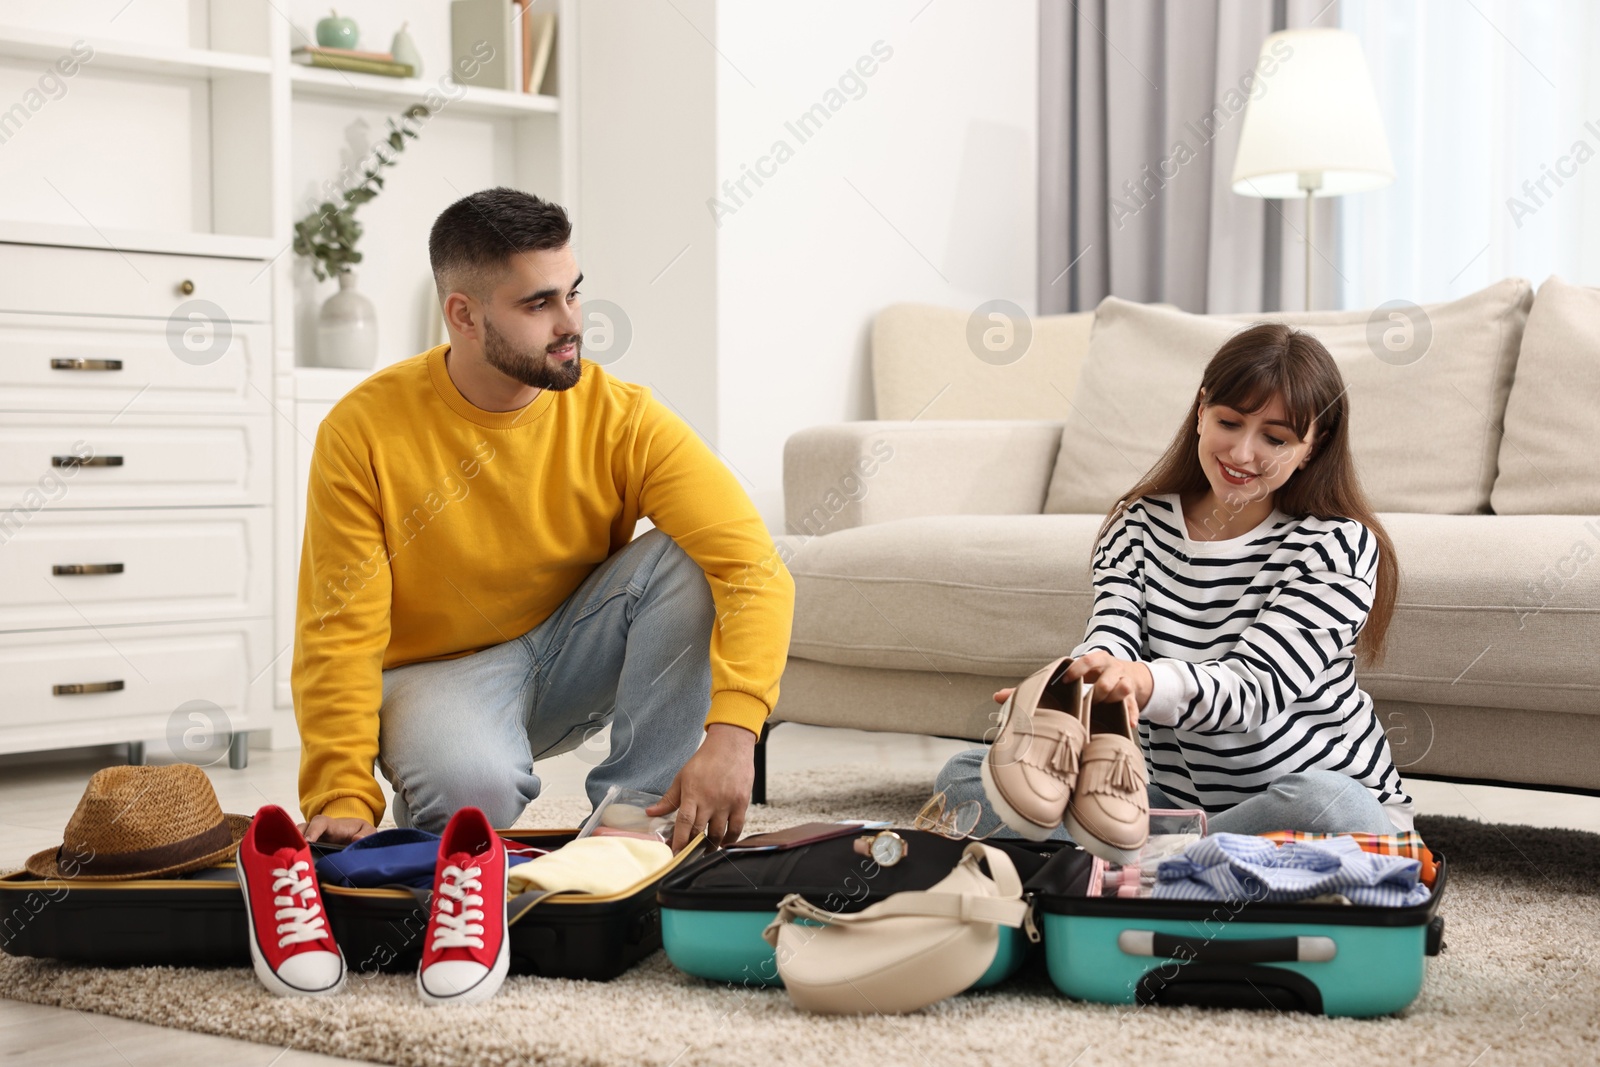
(1312, 126)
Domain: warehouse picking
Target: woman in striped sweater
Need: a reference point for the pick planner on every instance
(1235, 586)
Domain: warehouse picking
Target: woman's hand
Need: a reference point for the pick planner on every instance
(1113, 678)
(1003, 695)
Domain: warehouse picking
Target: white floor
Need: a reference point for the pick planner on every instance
(38, 794)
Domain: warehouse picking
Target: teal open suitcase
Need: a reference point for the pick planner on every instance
(1331, 959)
(713, 911)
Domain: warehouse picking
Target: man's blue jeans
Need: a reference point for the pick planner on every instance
(631, 647)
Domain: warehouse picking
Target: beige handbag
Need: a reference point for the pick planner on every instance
(906, 951)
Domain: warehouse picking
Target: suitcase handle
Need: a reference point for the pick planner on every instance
(1247, 950)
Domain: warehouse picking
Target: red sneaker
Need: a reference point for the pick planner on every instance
(293, 949)
(466, 950)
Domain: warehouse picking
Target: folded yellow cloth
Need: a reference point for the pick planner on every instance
(598, 865)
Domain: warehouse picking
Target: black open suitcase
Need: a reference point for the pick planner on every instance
(199, 920)
(713, 910)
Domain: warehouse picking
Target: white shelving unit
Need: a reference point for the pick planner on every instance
(21, 42)
(317, 82)
(187, 131)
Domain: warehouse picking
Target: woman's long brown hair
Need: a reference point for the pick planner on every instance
(1272, 359)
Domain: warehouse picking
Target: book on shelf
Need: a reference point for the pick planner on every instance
(345, 59)
(541, 41)
(503, 44)
(354, 53)
(481, 43)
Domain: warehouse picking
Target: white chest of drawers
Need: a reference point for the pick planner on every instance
(136, 474)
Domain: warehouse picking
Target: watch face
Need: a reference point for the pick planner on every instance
(887, 849)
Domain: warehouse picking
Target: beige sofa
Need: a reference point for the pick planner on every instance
(942, 550)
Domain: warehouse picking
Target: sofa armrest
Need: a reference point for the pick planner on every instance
(858, 473)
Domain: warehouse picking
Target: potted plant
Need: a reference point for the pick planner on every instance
(347, 324)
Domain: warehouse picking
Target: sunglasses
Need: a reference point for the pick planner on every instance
(956, 823)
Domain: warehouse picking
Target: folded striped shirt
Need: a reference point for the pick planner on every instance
(1244, 867)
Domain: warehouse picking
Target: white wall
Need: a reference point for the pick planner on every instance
(751, 317)
(920, 186)
(646, 156)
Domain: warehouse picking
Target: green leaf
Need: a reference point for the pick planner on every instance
(328, 235)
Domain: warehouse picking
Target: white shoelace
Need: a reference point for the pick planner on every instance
(296, 923)
(457, 929)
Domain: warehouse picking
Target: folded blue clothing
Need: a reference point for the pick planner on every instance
(401, 856)
(1236, 867)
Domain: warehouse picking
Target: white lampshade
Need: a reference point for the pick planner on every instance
(1315, 123)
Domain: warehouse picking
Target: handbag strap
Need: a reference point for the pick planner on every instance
(1006, 909)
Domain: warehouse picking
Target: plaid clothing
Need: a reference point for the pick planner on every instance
(1407, 843)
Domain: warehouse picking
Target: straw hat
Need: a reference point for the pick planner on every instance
(142, 822)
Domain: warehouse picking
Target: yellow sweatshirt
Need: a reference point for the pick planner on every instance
(435, 529)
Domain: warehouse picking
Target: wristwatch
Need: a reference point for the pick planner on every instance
(886, 847)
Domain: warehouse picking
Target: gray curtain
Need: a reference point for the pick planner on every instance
(1140, 107)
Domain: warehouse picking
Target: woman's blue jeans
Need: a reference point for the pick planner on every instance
(1310, 801)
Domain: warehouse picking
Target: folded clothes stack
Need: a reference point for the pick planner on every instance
(1406, 843)
(600, 865)
(1232, 867)
(1139, 880)
(399, 856)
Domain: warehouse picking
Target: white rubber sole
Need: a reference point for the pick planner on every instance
(482, 989)
(1009, 815)
(1096, 847)
(267, 976)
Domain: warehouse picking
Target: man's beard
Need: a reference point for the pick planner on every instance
(538, 371)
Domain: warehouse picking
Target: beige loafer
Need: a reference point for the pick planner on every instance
(1109, 812)
(1029, 771)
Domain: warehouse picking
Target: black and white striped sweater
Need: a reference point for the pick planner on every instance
(1251, 643)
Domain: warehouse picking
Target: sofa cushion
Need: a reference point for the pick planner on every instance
(975, 594)
(1494, 611)
(1498, 611)
(1424, 434)
(926, 363)
(1548, 464)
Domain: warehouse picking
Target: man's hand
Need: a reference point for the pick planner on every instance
(712, 790)
(1113, 678)
(336, 831)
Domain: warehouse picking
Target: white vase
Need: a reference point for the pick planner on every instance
(347, 328)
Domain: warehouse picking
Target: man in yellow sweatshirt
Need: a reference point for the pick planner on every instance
(471, 597)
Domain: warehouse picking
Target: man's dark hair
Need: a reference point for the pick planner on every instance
(474, 238)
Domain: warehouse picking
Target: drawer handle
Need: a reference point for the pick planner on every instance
(186, 287)
(86, 687)
(86, 364)
(86, 568)
(92, 461)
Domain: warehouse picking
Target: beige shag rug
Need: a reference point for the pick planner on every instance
(1518, 983)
